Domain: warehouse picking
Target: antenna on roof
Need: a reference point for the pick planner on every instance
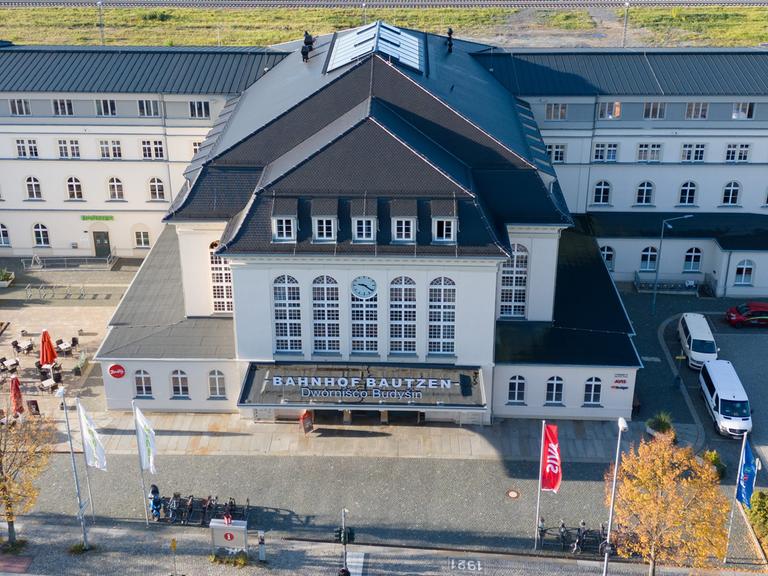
(449, 42)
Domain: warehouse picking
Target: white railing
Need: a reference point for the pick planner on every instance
(69, 263)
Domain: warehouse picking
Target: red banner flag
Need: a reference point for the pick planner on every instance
(551, 468)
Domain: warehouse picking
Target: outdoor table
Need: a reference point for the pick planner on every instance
(11, 363)
(55, 366)
(64, 346)
(24, 344)
(48, 384)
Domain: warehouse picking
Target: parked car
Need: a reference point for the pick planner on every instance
(749, 314)
(696, 339)
(725, 398)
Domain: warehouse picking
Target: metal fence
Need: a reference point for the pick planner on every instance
(69, 263)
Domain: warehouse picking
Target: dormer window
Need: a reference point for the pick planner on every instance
(443, 230)
(403, 229)
(325, 229)
(364, 229)
(284, 229)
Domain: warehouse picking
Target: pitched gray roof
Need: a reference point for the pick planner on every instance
(204, 70)
(150, 320)
(659, 72)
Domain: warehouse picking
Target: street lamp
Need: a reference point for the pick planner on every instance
(664, 224)
(623, 427)
(101, 20)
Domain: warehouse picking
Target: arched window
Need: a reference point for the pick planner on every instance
(74, 189)
(516, 394)
(442, 316)
(731, 193)
(5, 239)
(143, 383)
(325, 314)
(287, 314)
(402, 315)
(645, 193)
(648, 259)
(216, 388)
(365, 323)
(34, 192)
(156, 189)
(514, 283)
(221, 281)
(608, 255)
(593, 388)
(179, 383)
(602, 193)
(554, 390)
(41, 235)
(115, 189)
(688, 193)
(745, 270)
(692, 260)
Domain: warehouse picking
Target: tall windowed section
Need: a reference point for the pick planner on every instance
(442, 316)
(143, 383)
(287, 314)
(365, 325)
(516, 393)
(179, 384)
(221, 281)
(514, 283)
(554, 390)
(156, 189)
(325, 314)
(216, 387)
(402, 315)
(744, 271)
(593, 388)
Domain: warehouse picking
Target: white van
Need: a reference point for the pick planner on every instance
(725, 398)
(696, 339)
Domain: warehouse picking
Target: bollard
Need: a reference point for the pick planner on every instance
(262, 547)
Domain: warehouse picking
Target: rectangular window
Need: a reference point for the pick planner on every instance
(199, 109)
(654, 110)
(196, 147)
(142, 239)
(325, 230)
(62, 108)
(743, 111)
(609, 110)
(557, 111)
(556, 153)
(364, 229)
(605, 152)
(69, 148)
(444, 230)
(221, 282)
(692, 152)
(20, 107)
(737, 153)
(365, 325)
(26, 148)
(283, 229)
(696, 111)
(149, 108)
(403, 230)
(152, 149)
(106, 108)
(649, 152)
(110, 149)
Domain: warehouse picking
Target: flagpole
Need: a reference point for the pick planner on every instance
(85, 459)
(735, 494)
(538, 493)
(80, 514)
(141, 468)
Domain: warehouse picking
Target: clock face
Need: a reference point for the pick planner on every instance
(364, 287)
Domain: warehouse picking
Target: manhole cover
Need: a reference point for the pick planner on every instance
(513, 494)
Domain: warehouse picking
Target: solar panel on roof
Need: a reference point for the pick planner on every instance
(377, 37)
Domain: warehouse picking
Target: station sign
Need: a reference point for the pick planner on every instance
(357, 388)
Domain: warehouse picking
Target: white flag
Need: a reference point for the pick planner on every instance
(95, 456)
(145, 436)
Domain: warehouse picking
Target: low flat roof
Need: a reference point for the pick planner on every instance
(150, 320)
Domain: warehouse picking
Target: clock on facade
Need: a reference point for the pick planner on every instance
(364, 287)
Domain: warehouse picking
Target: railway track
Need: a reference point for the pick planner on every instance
(541, 4)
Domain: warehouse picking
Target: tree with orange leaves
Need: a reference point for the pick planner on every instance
(669, 507)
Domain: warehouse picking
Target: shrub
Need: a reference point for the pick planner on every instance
(13, 548)
(158, 15)
(238, 560)
(661, 422)
(5, 275)
(79, 548)
(758, 515)
(713, 457)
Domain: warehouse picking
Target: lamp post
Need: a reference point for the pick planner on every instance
(623, 427)
(101, 20)
(664, 224)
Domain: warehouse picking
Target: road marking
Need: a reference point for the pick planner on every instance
(650, 358)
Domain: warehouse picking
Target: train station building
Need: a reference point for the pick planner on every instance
(374, 231)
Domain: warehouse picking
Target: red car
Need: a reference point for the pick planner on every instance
(749, 314)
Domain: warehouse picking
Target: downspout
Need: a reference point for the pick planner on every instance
(168, 148)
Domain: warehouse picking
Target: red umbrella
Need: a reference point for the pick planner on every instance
(47, 351)
(16, 403)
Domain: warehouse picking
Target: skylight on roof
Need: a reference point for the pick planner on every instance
(377, 37)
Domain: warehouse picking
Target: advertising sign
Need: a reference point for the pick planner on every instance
(116, 371)
(233, 536)
(306, 421)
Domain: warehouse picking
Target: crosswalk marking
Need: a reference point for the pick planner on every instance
(356, 563)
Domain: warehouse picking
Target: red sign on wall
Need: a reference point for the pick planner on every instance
(228, 536)
(116, 371)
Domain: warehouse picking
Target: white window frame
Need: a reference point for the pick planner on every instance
(33, 188)
(593, 390)
(609, 110)
(649, 152)
(609, 257)
(287, 314)
(148, 108)
(649, 259)
(554, 390)
(110, 149)
(644, 193)
(199, 109)
(217, 385)
(41, 236)
(654, 110)
(605, 152)
(19, 107)
(221, 281)
(556, 153)
(142, 382)
(516, 390)
(737, 153)
(692, 153)
(364, 315)
(696, 110)
(731, 193)
(513, 292)
(402, 316)
(152, 149)
(5, 238)
(744, 273)
(441, 329)
(324, 229)
(326, 326)
(27, 148)
(556, 111)
(743, 111)
(601, 193)
(196, 147)
(62, 107)
(692, 260)
(179, 384)
(688, 191)
(106, 107)
(403, 230)
(279, 224)
(364, 230)
(68, 149)
(74, 188)
(156, 189)
(444, 230)
(141, 239)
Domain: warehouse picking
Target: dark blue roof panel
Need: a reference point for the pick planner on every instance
(132, 70)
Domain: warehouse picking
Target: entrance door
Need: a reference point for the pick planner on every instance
(101, 244)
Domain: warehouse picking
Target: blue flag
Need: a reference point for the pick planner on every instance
(747, 476)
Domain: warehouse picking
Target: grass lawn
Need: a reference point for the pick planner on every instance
(255, 27)
(566, 19)
(717, 26)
